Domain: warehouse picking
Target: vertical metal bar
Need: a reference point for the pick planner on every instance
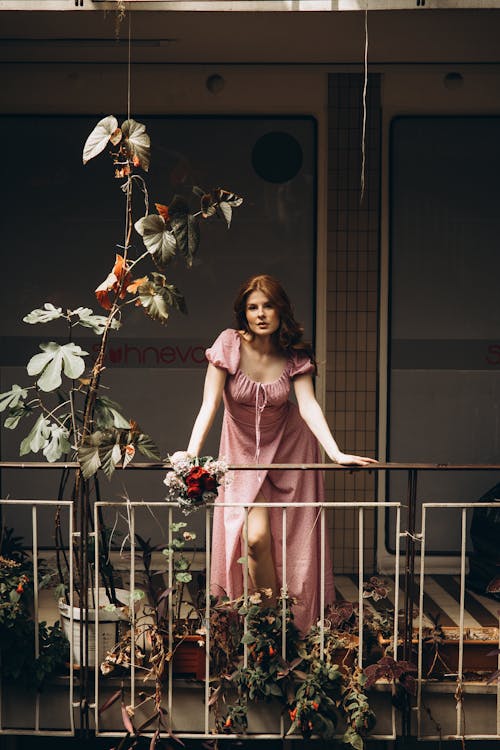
(284, 601)
(410, 562)
(322, 585)
(170, 616)
(207, 618)
(409, 590)
(396, 580)
(284, 584)
(97, 536)
(361, 543)
(245, 553)
(85, 584)
(132, 605)
(498, 682)
(34, 540)
(1, 699)
(245, 582)
(71, 622)
(461, 618)
(421, 622)
(396, 604)
(84, 608)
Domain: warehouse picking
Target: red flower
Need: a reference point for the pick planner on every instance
(20, 588)
(195, 474)
(198, 481)
(194, 489)
(315, 705)
(210, 483)
(293, 713)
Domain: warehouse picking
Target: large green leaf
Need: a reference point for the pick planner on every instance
(226, 211)
(58, 443)
(106, 448)
(186, 229)
(16, 413)
(111, 455)
(174, 297)
(53, 360)
(137, 141)
(97, 323)
(351, 737)
(158, 238)
(101, 449)
(105, 130)
(12, 398)
(157, 297)
(107, 414)
(147, 447)
(38, 438)
(218, 201)
(45, 315)
(88, 456)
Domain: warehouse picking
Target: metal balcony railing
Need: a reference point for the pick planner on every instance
(83, 690)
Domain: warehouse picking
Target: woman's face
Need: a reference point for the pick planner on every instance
(262, 316)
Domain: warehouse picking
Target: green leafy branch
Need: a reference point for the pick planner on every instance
(96, 429)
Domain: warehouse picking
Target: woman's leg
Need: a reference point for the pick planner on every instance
(260, 559)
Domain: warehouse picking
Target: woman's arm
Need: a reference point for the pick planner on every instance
(313, 416)
(212, 394)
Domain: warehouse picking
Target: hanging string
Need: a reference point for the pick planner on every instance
(129, 181)
(365, 86)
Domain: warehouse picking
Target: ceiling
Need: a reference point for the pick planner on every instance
(306, 37)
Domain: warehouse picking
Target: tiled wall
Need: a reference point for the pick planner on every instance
(353, 278)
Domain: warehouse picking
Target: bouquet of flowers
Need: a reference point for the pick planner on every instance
(194, 481)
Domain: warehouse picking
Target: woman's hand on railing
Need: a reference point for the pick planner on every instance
(345, 459)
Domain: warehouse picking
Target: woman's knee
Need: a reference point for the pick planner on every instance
(259, 543)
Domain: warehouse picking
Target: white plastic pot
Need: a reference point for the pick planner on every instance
(108, 625)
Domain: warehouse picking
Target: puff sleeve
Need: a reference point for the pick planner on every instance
(225, 351)
(300, 364)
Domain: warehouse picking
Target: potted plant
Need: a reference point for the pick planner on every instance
(167, 636)
(441, 651)
(20, 662)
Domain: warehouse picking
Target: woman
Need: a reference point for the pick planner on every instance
(251, 368)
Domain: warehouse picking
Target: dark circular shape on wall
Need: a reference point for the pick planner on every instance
(277, 157)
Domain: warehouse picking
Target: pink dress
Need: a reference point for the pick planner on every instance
(262, 426)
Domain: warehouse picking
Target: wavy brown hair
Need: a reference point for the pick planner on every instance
(290, 332)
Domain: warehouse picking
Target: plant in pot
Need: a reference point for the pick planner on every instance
(30, 652)
(71, 418)
(167, 636)
(247, 663)
(328, 686)
(308, 683)
(441, 651)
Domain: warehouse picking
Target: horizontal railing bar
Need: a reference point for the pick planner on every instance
(37, 732)
(162, 466)
(250, 736)
(465, 504)
(13, 500)
(298, 504)
(247, 736)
